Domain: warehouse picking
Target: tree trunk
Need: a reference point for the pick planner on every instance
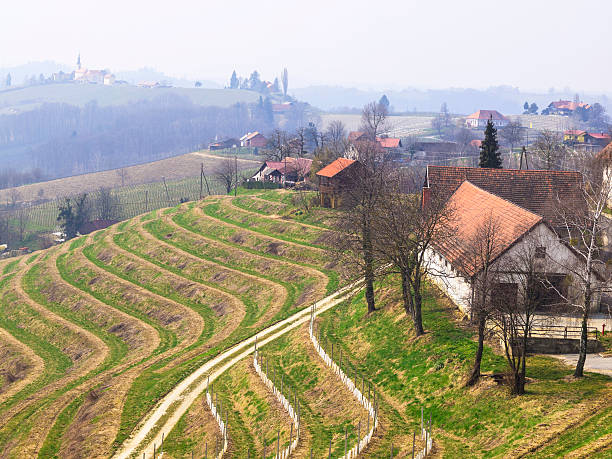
(475, 374)
(418, 319)
(368, 259)
(406, 296)
(579, 371)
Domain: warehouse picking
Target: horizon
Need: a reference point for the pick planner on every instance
(277, 41)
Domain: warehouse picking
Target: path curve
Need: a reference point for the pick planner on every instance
(184, 394)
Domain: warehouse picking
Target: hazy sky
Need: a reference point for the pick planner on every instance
(534, 44)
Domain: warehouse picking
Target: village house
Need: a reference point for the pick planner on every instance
(287, 171)
(518, 231)
(564, 107)
(575, 137)
(223, 144)
(533, 190)
(388, 145)
(253, 140)
(335, 179)
(479, 119)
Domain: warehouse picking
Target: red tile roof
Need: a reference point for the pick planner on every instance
(487, 114)
(355, 136)
(574, 132)
(568, 105)
(472, 208)
(535, 190)
(301, 165)
(602, 136)
(335, 167)
(389, 142)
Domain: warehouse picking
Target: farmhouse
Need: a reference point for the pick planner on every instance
(387, 143)
(576, 137)
(253, 139)
(289, 170)
(518, 231)
(480, 118)
(564, 107)
(533, 190)
(334, 181)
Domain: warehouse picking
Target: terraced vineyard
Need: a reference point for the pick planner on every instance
(107, 340)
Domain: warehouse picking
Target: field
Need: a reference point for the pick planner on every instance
(18, 99)
(178, 167)
(99, 330)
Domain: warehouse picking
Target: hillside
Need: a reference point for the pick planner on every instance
(19, 99)
(97, 331)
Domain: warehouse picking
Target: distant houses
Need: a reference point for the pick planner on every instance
(223, 144)
(575, 137)
(480, 118)
(253, 140)
(389, 145)
(564, 107)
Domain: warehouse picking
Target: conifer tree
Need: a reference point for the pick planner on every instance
(234, 83)
(489, 149)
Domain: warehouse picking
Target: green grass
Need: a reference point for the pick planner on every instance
(428, 372)
(51, 446)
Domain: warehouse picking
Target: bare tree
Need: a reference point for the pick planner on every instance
(405, 233)
(22, 223)
(512, 133)
(106, 204)
(356, 227)
(225, 172)
(297, 145)
(549, 148)
(437, 124)
(278, 146)
(15, 196)
(374, 120)
(515, 300)
(481, 251)
(583, 226)
(123, 175)
(335, 135)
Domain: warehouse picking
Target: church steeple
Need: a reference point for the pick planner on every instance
(79, 62)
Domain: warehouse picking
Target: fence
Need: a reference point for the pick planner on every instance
(559, 331)
(294, 412)
(216, 406)
(370, 403)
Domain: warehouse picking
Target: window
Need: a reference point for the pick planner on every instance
(540, 252)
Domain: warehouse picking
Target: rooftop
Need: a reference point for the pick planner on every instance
(335, 167)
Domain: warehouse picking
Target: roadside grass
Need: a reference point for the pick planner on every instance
(429, 371)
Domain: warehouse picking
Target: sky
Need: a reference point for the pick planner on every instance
(382, 44)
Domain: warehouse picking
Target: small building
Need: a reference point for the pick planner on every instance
(564, 107)
(335, 180)
(109, 79)
(287, 171)
(223, 144)
(480, 118)
(518, 231)
(253, 140)
(579, 137)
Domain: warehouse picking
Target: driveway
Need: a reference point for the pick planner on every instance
(594, 362)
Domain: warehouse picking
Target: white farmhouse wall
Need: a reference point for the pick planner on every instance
(456, 287)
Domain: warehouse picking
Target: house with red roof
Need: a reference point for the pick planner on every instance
(335, 180)
(387, 144)
(576, 137)
(287, 171)
(564, 107)
(253, 140)
(479, 119)
(520, 235)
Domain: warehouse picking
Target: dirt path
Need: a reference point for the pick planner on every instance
(186, 392)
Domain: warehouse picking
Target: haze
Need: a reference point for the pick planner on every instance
(383, 44)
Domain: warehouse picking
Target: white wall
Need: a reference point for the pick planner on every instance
(456, 287)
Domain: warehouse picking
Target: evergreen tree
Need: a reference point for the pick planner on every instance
(234, 83)
(275, 85)
(254, 81)
(526, 106)
(8, 80)
(72, 217)
(489, 150)
(384, 100)
(533, 108)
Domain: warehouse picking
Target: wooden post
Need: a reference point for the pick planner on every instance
(206, 451)
(413, 441)
(330, 441)
(311, 452)
(290, 435)
(359, 434)
(153, 450)
(278, 443)
(391, 456)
